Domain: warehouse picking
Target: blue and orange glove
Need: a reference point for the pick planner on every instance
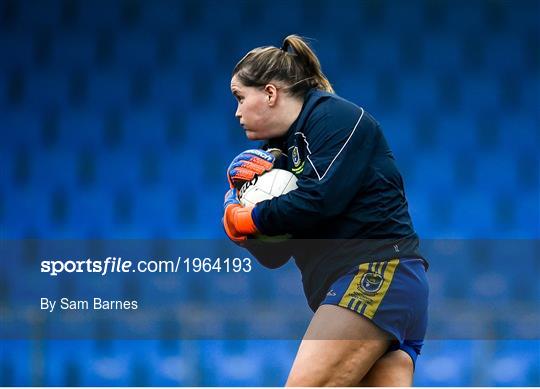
(248, 164)
(237, 219)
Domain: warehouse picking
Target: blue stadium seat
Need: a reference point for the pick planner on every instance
(515, 363)
(445, 363)
(65, 363)
(16, 364)
(231, 363)
(109, 88)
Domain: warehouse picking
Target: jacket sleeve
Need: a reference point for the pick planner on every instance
(269, 254)
(338, 154)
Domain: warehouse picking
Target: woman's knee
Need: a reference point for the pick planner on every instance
(395, 368)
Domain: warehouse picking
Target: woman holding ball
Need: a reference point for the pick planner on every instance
(363, 275)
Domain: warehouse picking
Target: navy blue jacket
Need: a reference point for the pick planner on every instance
(350, 195)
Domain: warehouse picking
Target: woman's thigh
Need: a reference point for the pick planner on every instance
(339, 348)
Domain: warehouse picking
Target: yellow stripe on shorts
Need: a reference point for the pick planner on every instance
(356, 298)
(353, 286)
(387, 280)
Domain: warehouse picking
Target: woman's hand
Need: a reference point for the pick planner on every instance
(237, 219)
(248, 164)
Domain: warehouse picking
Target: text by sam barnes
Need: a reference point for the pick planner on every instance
(96, 304)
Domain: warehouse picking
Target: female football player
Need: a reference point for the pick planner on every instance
(361, 270)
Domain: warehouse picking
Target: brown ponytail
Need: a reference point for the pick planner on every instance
(295, 64)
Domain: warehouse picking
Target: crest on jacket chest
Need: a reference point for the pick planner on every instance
(297, 157)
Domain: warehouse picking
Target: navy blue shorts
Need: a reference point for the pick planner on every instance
(392, 294)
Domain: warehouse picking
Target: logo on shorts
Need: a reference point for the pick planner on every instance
(371, 282)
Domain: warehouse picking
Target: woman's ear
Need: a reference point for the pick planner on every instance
(271, 94)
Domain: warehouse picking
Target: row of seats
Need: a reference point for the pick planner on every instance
(379, 91)
(170, 131)
(41, 47)
(240, 363)
(120, 213)
(140, 170)
(193, 15)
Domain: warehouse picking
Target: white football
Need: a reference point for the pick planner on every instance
(271, 184)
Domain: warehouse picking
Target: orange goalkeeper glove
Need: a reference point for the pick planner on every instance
(237, 219)
(248, 164)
